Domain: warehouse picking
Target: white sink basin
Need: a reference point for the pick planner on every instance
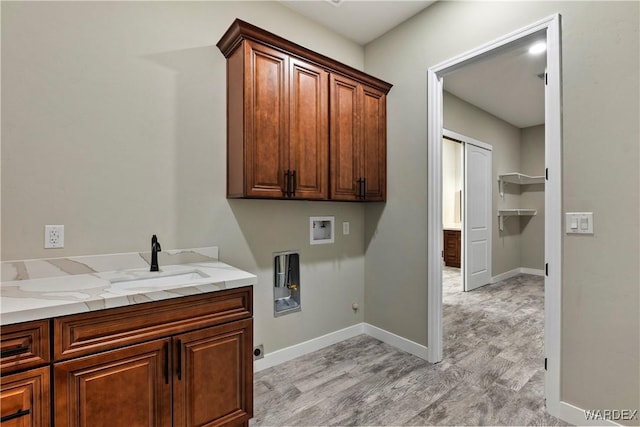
(158, 281)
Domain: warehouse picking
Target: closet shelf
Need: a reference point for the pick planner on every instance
(519, 179)
(504, 213)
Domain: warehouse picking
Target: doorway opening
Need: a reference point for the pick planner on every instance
(550, 29)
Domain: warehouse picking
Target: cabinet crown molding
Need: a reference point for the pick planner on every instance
(241, 30)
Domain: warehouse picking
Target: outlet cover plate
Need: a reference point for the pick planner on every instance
(321, 229)
(53, 236)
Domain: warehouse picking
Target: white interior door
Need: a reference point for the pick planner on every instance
(477, 218)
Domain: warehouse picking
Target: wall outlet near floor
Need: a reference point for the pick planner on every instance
(53, 236)
(258, 352)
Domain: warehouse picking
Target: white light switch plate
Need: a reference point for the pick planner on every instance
(345, 228)
(579, 223)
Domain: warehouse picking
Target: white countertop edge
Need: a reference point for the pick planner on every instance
(121, 301)
(232, 278)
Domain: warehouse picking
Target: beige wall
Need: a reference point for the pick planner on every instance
(114, 124)
(600, 287)
(532, 197)
(468, 120)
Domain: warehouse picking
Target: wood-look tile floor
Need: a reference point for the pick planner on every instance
(492, 372)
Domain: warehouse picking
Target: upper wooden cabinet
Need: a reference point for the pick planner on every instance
(299, 124)
(358, 141)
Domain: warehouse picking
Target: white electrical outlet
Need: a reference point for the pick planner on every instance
(345, 228)
(53, 236)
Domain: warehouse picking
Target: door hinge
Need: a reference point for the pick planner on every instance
(546, 174)
(545, 363)
(442, 254)
(546, 269)
(546, 79)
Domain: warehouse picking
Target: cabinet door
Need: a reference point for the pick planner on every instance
(308, 130)
(24, 399)
(213, 383)
(266, 121)
(452, 248)
(374, 144)
(126, 387)
(344, 147)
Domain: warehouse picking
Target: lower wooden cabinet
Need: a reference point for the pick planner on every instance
(24, 399)
(452, 248)
(182, 362)
(199, 378)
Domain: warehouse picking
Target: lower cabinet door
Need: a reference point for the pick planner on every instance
(24, 399)
(125, 387)
(213, 383)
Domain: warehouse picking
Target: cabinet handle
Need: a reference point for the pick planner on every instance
(15, 350)
(295, 182)
(166, 362)
(287, 183)
(20, 413)
(364, 188)
(361, 189)
(179, 370)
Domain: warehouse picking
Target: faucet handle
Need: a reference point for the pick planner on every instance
(154, 243)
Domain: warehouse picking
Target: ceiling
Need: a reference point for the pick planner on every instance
(505, 85)
(360, 21)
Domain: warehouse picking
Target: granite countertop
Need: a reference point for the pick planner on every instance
(41, 289)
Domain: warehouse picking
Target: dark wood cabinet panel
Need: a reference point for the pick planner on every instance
(308, 131)
(24, 399)
(266, 115)
(452, 244)
(215, 381)
(358, 141)
(129, 386)
(374, 144)
(24, 345)
(344, 165)
(329, 143)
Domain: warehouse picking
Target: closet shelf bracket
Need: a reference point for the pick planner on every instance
(505, 213)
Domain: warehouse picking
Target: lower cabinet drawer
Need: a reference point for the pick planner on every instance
(24, 399)
(24, 346)
(87, 333)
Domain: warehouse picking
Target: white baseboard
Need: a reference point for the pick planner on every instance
(283, 355)
(576, 416)
(396, 341)
(532, 271)
(506, 275)
(512, 273)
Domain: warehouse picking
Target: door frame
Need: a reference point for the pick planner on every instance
(465, 141)
(553, 196)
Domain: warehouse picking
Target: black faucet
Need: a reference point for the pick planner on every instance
(155, 248)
